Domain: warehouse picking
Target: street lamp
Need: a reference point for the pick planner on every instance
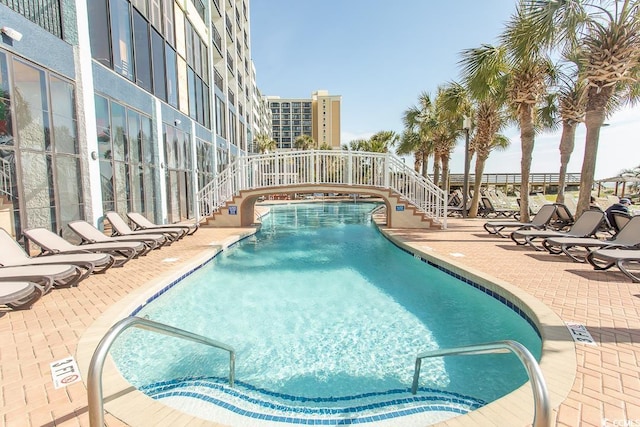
(466, 125)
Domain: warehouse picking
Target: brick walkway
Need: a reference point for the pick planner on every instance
(607, 383)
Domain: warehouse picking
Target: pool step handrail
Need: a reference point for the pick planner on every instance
(94, 378)
(542, 410)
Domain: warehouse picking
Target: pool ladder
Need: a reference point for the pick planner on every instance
(94, 379)
(542, 410)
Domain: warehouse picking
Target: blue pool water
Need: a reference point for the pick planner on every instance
(326, 317)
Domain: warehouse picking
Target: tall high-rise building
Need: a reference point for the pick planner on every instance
(132, 106)
(317, 117)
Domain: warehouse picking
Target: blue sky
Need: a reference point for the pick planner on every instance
(380, 55)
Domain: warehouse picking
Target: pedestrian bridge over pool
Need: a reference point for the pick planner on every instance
(411, 200)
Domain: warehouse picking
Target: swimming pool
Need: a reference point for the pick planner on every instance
(335, 314)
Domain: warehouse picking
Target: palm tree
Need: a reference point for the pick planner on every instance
(484, 73)
(304, 142)
(572, 99)
(417, 138)
(382, 141)
(634, 173)
(356, 145)
(264, 143)
(410, 142)
(529, 72)
(490, 120)
(608, 35)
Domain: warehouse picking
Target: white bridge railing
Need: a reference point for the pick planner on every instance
(330, 167)
(6, 183)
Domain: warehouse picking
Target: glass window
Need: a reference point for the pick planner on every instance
(232, 128)
(183, 92)
(141, 5)
(169, 34)
(99, 31)
(197, 59)
(172, 76)
(189, 40)
(135, 140)
(179, 29)
(142, 51)
(221, 128)
(69, 187)
(156, 14)
(205, 62)
(39, 200)
(191, 83)
(31, 103)
(6, 127)
(118, 127)
(157, 46)
(103, 126)
(199, 100)
(206, 106)
(121, 38)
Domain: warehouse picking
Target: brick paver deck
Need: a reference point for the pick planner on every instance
(606, 390)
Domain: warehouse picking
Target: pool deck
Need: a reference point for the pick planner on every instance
(606, 376)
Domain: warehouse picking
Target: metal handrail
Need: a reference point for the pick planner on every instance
(542, 410)
(94, 380)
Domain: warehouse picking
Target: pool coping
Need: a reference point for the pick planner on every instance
(558, 360)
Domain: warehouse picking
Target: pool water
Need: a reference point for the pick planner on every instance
(326, 317)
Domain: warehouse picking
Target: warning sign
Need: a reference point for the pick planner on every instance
(65, 372)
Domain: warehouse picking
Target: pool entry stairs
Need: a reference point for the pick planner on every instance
(411, 200)
(215, 395)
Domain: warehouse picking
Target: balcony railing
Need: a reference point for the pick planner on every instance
(200, 8)
(217, 80)
(45, 13)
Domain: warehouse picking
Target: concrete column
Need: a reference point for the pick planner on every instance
(86, 115)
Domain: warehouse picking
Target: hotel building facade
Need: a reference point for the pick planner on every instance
(318, 117)
(121, 105)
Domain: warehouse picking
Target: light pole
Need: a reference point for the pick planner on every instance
(466, 125)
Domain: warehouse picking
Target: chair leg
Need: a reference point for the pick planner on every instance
(621, 265)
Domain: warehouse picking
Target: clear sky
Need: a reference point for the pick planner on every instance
(380, 55)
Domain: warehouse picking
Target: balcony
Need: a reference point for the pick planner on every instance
(200, 8)
(217, 80)
(217, 39)
(45, 13)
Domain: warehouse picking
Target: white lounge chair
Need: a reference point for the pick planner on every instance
(58, 275)
(121, 228)
(51, 243)
(538, 222)
(142, 223)
(586, 225)
(90, 234)
(13, 254)
(624, 259)
(627, 237)
(20, 295)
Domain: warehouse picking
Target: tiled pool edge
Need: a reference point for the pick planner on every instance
(558, 361)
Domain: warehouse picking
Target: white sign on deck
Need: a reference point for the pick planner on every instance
(580, 333)
(65, 372)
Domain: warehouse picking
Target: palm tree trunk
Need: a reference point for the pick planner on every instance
(527, 140)
(445, 172)
(436, 169)
(594, 118)
(425, 164)
(567, 142)
(475, 200)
